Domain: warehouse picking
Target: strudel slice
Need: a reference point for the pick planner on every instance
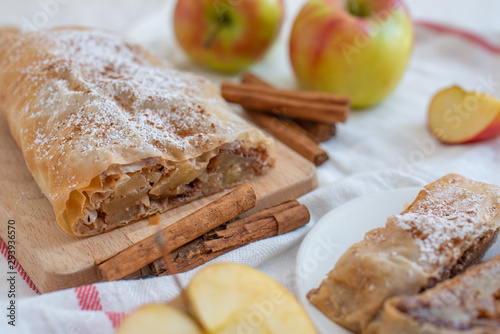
(112, 133)
(466, 304)
(448, 227)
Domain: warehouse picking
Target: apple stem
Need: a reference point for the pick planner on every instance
(211, 38)
(358, 9)
(353, 7)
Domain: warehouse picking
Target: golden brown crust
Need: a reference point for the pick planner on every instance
(466, 304)
(82, 101)
(448, 226)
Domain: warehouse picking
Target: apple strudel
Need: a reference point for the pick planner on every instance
(466, 304)
(448, 227)
(112, 133)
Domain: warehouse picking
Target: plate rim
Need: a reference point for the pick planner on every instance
(301, 294)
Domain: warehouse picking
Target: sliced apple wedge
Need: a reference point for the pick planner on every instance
(158, 319)
(457, 116)
(224, 298)
(233, 298)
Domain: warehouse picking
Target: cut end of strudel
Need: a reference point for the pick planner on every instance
(466, 304)
(448, 227)
(112, 133)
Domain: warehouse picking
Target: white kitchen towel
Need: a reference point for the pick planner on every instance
(383, 148)
(98, 308)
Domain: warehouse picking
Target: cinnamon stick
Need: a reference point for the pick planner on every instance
(292, 135)
(286, 130)
(311, 96)
(178, 234)
(313, 106)
(195, 253)
(277, 220)
(318, 131)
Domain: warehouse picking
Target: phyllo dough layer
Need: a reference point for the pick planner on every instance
(450, 225)
(466, 304)
(112, 133)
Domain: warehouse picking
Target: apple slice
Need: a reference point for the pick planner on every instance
(457, 116)
(158, 319)
(233, 298)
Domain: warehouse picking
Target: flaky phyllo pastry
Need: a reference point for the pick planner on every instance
(449, 226)
(467, 304)
(113, 134)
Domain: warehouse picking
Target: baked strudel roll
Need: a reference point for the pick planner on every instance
(113, 134)
(466, 304)
(448, 227)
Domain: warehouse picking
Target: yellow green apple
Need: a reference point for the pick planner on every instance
(457, 116)
(358, 48)
(227, 35)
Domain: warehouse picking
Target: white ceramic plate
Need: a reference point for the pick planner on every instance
(336, 232)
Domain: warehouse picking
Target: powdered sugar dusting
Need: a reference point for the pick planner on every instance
(439, 239)
(450, 201)
(449, 218)
(127, 97)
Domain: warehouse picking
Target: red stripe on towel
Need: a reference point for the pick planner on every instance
(5, 252)
(464, 34)
(89, 300)
(115, 317)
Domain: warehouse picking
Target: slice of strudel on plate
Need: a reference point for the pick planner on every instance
(466, 304)
(112, 133)
(448, 227)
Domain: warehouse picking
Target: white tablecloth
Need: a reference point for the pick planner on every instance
(386, 147)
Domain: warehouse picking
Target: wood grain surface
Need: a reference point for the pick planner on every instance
(55, 260)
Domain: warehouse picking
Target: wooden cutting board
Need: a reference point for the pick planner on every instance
(55, 260)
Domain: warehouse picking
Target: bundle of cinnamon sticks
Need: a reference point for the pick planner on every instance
(300, 119)
(276, 220)
(204, 235)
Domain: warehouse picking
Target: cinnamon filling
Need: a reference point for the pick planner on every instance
(475, 311)
(473, 302)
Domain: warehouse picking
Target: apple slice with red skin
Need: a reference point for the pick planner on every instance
(457, 116)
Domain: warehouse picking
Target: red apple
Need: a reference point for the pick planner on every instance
(227, 35)
(358, 48)
(457, 116)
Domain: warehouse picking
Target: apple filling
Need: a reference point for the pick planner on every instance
(126, 193)
(472, 303)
